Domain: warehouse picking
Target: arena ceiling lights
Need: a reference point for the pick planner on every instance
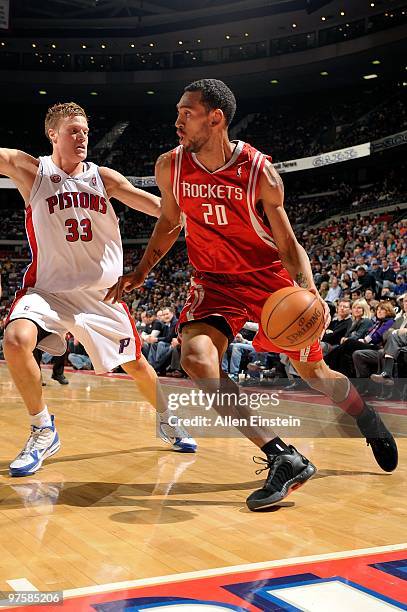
(154, 16)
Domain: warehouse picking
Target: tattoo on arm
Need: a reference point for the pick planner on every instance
(301, 280)
(155, 257)
(273, 176)
(157, 254)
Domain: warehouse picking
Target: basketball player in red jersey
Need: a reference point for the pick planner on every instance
(77, 251)
(242, 246)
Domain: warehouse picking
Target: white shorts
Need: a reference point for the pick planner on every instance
(107, 331)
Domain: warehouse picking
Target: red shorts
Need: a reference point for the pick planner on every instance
(239, 298)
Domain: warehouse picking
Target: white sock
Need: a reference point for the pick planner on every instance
(42, 419)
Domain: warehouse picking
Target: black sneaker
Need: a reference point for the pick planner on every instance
(61, 379)
(379, 438)
(288, 471)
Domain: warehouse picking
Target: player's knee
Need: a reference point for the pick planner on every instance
(16, 342)
(195, 364)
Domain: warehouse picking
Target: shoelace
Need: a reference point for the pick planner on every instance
(262, 461)
(279, 472)
(273, 463)
(35, 441)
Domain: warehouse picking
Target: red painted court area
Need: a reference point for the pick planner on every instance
(366, 583)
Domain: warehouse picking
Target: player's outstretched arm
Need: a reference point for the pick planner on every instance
(165, 234)
(20, 167)
(117, 186)
(293, 256)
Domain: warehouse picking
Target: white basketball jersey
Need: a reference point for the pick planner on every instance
(72, 230)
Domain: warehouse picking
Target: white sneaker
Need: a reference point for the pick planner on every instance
(42, 443)
(177, 436)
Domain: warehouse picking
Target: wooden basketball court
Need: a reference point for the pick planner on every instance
(116, 504)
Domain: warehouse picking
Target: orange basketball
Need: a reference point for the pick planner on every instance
(293, 318)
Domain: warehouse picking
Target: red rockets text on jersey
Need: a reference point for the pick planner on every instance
(225, 231)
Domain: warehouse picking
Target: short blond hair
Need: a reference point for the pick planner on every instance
(60, 111)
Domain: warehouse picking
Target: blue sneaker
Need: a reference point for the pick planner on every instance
(177, 436)
(42, 443)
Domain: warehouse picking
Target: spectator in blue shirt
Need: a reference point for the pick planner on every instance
(401, 285)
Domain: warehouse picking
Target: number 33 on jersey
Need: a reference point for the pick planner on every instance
(72, 230)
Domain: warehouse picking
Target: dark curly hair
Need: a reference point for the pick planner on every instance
(215, 94)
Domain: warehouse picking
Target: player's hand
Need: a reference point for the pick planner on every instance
(327, 313)
(125, 284)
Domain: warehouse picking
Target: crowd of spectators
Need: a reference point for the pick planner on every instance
(388, 118)
(359, 266)
(312, 198)
(286, 130)
(289, 131)
(338, 198)
(138, 148)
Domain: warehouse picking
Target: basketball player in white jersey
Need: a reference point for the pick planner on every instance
(77, 254)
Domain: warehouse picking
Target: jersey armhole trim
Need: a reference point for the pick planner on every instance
(101, 181)
(37, 182)
(252, 187)
(176, 161)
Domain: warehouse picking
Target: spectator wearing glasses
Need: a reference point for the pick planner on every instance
(338, 327)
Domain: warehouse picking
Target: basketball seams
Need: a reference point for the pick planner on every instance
(292, 322)
(308, 332)
(278, 303)
(294, 347)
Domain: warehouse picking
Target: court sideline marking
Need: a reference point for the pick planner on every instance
(233, 569)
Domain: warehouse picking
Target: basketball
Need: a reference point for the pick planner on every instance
(293, 318)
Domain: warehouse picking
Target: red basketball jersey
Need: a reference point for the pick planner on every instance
(225, 231)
